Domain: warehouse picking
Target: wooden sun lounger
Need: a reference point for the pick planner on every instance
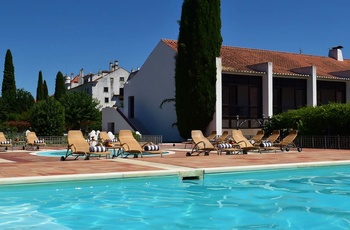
(115, 144)
(255, 140)
(33, 141)
(131, 146)
(5, 142)
(243, 142)
(78, 146)
(286, 143)
(203, 145)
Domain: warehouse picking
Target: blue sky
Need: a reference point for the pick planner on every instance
(68, 35)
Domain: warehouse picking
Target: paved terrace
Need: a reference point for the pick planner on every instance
(19, 164)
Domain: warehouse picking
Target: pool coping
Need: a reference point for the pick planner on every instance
(167, 170)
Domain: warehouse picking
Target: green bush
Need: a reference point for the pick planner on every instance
(330, 119)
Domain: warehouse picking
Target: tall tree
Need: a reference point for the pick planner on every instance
(60, 87)
(47, 118)
(45, 91)
(25, 101)
(81, 111)
(39, 88)
(8, 90)
(199, 43)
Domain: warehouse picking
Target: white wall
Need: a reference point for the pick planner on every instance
(113, 86)
(153, 83)
(110, 115)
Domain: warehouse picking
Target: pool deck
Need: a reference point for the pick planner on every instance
(18, 166)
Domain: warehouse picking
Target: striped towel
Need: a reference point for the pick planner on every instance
(151, 147)
(97, 149)
(224, 146)
(39, 141)
(265, 144)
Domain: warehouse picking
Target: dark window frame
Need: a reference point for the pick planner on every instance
(242, 99)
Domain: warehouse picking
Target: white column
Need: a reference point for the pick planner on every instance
(267, 89)
(312, 87)
(216, 123)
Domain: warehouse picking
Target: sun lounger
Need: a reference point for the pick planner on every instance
(212, 136)
(5, 142)
(255, 140)
(203, 145)
(110, 143)
(270, 140)
(33, 141)
(78, 146)
(243, 142)
(131, 146)
(222, 138)
(274, 136)
(286, 143)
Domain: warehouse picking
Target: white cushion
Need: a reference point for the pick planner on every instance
(5, 142)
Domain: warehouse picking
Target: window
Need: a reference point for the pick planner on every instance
(105, 89)
(328, 91)
(110, 126)
(288, 94)
(106, 100)
(241, 96)
(121, 78)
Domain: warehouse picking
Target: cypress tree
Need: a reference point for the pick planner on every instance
(199, 43)
(39, 88)
(60, 87)
(45, 91)
(8, 90)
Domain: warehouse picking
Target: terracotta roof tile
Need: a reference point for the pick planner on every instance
(75, 80)
(241, 60)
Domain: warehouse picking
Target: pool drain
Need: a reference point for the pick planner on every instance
(191, 175)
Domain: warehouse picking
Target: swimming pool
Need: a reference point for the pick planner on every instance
(62, 152)
(307, 198)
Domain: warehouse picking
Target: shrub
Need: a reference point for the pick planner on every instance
(330, 119)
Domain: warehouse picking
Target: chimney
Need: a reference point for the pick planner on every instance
(335, 52)
(111, 67)
(81, 76)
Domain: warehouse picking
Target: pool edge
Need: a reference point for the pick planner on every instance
(154, 173)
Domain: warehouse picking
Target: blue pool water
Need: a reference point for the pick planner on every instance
(308, 198)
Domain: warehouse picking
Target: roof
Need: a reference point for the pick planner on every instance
(75, 79)
(241, 60)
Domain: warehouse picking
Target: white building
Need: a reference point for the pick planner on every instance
(105, 86)
(251, 85)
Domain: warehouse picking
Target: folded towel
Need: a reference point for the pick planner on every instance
(97, 149)
(151, 148)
